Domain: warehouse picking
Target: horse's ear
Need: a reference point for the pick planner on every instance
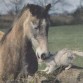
(47, 8)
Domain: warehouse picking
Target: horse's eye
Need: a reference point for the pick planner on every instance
(36, 28)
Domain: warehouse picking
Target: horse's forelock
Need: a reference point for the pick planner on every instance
(36, 10)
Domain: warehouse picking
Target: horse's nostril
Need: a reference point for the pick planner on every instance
(43, 56)
(38, 56)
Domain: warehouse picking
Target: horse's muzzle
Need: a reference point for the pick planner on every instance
(45, 56)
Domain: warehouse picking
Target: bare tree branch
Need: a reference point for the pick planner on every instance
(13, 3)
(40, 2)
(55, 2)
(5, 3)
(45, 2)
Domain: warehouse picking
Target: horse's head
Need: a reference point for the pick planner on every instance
(36, 28)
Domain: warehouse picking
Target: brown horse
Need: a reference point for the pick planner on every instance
(27, 37)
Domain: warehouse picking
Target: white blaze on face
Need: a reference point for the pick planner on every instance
(34, 42)
(40, 43)
(42, 47)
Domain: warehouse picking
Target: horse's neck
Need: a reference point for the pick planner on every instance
(26, 46)
(17, 38)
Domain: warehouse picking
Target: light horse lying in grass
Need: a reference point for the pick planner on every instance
(29, 31)
(64, 57)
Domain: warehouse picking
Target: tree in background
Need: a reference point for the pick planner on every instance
(45, 2)
(57, 5)
(81, 1)
(15, 4)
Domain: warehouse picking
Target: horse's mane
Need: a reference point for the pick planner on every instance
(36, 10)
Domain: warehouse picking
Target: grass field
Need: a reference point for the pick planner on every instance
(67, 37)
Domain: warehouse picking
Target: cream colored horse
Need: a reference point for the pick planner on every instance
(26, 39)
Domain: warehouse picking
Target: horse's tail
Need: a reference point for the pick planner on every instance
(78, 53)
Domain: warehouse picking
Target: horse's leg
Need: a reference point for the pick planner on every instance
(69, 66)
(51, 69)
(16, 75)
(23, 73)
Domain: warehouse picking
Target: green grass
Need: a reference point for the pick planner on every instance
(66, 37)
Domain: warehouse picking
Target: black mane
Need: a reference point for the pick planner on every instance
(36, 10)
